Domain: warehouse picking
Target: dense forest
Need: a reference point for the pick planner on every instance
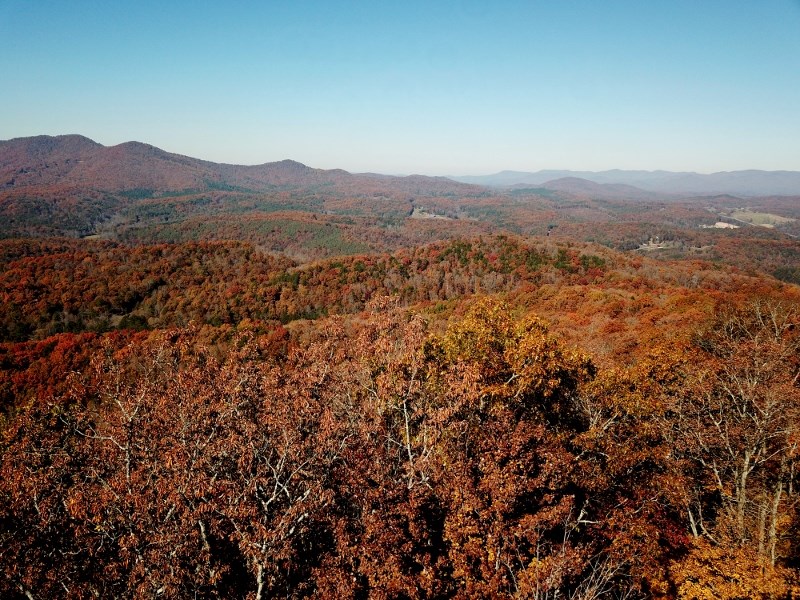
(241, 382)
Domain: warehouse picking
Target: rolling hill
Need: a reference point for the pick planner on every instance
(78, 162)
(72, 186)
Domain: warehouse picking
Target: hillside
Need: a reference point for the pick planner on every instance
(77, 162)
(226, 381)
(385, 415)
(71, 186)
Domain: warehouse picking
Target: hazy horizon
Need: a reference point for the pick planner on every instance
(396, 174)
(455, 88)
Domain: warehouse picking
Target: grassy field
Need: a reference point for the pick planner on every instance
(759, 218)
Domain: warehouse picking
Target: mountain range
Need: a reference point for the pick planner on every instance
(740, 183)
(81, 163)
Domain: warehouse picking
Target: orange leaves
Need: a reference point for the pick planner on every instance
(710, 572)
(383, 455)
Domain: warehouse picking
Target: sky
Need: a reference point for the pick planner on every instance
(448, 87)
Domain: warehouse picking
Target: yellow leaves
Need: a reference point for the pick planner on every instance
(712, 572)
(644, 391)
(76, 504)
(481, 335)
(517, 360)
(544, 576)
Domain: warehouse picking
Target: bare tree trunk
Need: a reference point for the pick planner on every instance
(773, 529)
(26, 593)
(260, 581)
(692, 522)
(762, 526)
(741, 497)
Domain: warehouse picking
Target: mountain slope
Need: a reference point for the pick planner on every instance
(575, 186)
(77, 162)
(71, 186)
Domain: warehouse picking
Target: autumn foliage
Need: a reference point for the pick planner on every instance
(401, 455)
(283, 382)
(492, 416)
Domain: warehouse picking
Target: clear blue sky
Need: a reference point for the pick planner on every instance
(428, 87)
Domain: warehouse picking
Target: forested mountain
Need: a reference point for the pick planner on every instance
(607, 191)
(72, 186)
(275, 381)
(79, 162)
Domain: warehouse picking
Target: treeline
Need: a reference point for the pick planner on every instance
(74, 286)
(51, 287)
(394, 454)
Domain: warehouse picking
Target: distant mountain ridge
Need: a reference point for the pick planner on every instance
(78, 162)
(742, 183)
(578, 187)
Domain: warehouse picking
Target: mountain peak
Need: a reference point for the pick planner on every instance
(47, 145)
(288, 162)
